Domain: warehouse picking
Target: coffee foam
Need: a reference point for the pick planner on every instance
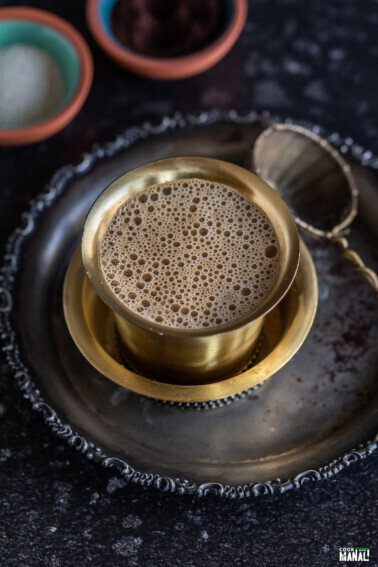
(190, 254)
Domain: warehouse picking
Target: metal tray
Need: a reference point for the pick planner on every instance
(313, 418)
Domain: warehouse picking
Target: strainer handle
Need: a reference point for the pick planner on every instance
(369, 274)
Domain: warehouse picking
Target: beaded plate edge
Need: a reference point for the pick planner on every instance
(11, 348)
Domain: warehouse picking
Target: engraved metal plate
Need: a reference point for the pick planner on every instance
(313, 418)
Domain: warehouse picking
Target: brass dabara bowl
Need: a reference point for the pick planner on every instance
(195, 356)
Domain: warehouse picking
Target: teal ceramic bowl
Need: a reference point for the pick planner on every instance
(99, 16)
(61, 41)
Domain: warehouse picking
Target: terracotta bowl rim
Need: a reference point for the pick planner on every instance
(173, 67)
(53, 124)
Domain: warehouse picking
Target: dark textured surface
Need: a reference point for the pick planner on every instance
(317, 62)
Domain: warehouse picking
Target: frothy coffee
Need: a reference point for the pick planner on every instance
(190, 254)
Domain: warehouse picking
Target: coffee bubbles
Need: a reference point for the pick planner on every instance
(190, 254)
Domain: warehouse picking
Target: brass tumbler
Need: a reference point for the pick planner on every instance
(180, 356)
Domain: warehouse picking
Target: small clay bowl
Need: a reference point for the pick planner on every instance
(98, 18)
(65, 44)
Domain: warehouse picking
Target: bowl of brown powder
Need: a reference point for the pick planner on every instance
(166, 39)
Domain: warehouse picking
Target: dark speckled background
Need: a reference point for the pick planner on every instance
(316, 61)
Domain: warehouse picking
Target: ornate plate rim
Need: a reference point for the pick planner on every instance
(8, 337)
